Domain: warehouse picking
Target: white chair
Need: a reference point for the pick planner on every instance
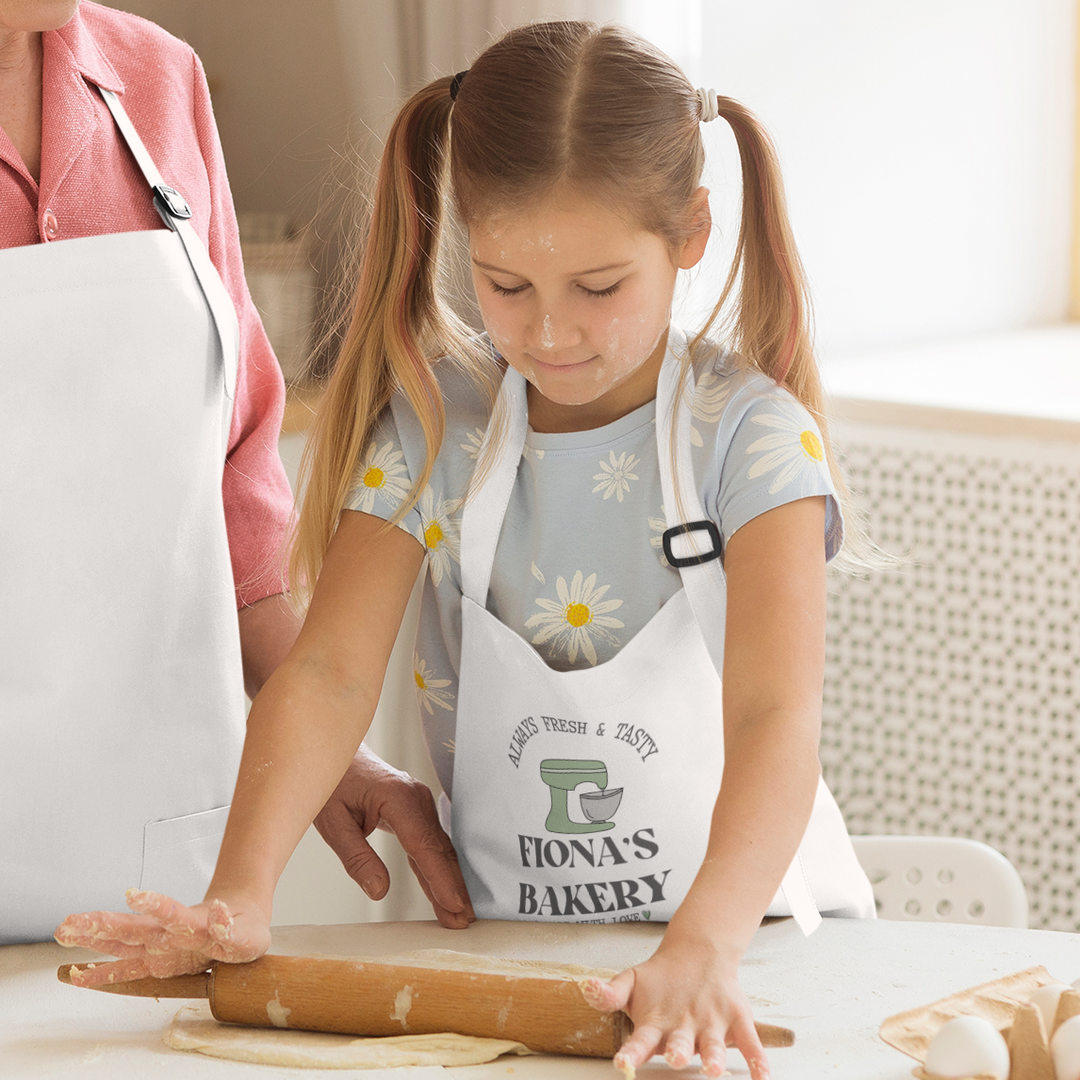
(942, 879)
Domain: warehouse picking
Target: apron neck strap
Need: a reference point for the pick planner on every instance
(692, 542)
(485, 504)
(175, 212)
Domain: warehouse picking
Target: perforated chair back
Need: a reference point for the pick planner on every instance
(942, 879)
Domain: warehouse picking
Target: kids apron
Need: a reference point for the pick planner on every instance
(121, 692)
(587, 795)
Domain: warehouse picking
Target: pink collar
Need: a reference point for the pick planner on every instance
(85, 55)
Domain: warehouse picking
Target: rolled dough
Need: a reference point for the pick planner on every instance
(194, 1028)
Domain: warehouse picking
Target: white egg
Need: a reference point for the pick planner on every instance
(1065, 1050)
(1045, 999)
(968, 1046)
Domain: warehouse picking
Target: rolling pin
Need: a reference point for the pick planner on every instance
(360, 997)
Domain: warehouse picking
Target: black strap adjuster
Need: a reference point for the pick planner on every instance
(170, 204)
(692, 560)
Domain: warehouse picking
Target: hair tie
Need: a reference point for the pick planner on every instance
(455, 83)
(710, 108)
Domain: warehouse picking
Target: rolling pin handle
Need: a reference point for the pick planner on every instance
(177, 986)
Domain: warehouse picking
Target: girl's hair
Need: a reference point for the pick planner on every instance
(570, 105)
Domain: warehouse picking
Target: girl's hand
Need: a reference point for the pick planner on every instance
(686, 998)
(163, 938)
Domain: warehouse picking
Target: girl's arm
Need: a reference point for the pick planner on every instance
(686, 997)
(303, 731)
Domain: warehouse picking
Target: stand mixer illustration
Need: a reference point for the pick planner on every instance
(563, 776)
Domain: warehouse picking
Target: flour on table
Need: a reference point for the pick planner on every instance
(195, 1029)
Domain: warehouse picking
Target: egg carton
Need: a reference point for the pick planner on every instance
(1005, 1003)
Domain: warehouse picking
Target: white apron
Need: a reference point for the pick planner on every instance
(587, 795)
(121, 693)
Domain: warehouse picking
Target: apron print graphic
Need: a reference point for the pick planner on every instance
(563, 776)
(588, 866)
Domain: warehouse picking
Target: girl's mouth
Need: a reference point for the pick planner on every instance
(543, 365)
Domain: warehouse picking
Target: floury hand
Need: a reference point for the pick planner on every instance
(164, 938)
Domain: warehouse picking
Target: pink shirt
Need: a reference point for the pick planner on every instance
(90, 185)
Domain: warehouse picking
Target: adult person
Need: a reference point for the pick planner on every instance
(143, 501)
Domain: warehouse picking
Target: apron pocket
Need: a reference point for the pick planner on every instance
(179, 853)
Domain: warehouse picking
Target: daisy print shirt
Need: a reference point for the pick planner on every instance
(579, 568)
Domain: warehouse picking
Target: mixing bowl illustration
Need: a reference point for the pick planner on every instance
(562, 776)
(601, 805)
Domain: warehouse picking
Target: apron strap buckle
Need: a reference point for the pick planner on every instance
(171, 205)
(698, 558)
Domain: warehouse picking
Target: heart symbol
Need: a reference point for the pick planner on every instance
(647, 914)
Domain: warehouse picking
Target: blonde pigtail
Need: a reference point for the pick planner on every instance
(397, 326)
(764, 306)
(764, 303)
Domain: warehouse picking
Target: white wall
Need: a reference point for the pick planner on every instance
(927, 148)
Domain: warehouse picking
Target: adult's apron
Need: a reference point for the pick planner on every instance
(587, 795)
(121, 694)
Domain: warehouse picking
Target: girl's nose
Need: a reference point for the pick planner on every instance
(551, 333)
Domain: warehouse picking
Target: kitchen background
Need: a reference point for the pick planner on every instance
(929, 155)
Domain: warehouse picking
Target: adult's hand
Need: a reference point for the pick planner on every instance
(164, 938)
(374, 795)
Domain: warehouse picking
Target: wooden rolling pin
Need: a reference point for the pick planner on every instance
(359, 997)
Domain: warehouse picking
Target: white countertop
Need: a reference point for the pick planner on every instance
(834, 989)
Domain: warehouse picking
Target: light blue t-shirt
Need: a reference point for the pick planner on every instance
(579, 567)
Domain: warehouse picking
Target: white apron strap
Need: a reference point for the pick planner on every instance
(704, 581)
(175, 212)
(486, 504)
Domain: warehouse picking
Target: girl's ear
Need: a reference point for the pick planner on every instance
(701, 223)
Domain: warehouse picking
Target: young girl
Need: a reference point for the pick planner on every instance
(612, 514)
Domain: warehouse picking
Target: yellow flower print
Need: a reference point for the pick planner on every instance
(710, 399)
(615, 475)
(440, 533)
(794, 448)
(579, 615)
(811, 445)
(429, 690)
(381, 473)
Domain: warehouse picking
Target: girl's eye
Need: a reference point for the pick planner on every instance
(609, 291)
(502, 290)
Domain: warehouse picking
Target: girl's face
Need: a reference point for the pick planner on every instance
(578, 300)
